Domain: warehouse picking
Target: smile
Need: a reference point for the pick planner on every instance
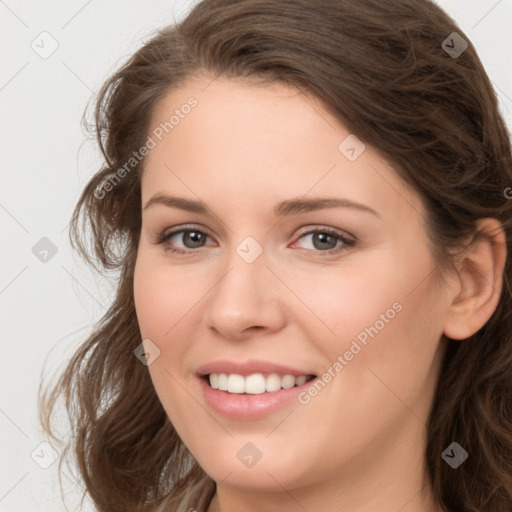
(256, 383)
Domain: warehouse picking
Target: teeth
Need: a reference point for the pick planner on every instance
(214, 380)
(222, 382)
(273, 382)
(288, 382)
(236, 383)
(300, 380)
(254, 384)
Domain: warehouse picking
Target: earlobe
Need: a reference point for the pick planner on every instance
(480, 268)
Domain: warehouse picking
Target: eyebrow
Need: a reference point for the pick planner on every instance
(287, 207)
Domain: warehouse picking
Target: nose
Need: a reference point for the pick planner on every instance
(246, 299)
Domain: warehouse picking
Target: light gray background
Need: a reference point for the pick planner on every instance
(49, 307)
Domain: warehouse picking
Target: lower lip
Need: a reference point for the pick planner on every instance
(246, 406)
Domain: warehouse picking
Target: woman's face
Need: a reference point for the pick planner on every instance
(256, 293)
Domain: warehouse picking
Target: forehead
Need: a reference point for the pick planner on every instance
(243, 113)
(247, 142)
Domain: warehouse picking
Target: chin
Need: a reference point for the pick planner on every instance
(268, 475)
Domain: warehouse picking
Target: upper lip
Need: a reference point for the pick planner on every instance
(248, 367)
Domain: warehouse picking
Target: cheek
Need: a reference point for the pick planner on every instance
(333, 305)
(163, 297)
(386, 318)
(388, 324)
(162, 302)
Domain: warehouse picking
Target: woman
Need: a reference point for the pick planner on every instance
(306, 203)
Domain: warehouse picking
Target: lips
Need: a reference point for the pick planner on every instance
(246, 368)
(252, 377)
(252, 389)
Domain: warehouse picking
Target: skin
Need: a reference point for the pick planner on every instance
(359, 444)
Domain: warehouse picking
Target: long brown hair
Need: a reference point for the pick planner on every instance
(383, 67)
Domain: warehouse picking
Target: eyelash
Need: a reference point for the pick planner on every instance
(347, 242)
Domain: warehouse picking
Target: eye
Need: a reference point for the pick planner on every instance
(191, 237)
(324, 240)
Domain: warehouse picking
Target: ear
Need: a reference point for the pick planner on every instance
(480, 273)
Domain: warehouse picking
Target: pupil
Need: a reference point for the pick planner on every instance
(196, 235)
(323, 237)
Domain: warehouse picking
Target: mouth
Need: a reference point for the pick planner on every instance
(255, 383)
(253, 389)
